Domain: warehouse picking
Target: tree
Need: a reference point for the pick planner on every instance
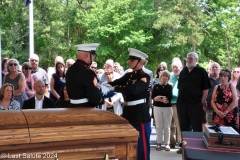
(161, 28)
(222, 38)
(14, 33)
(118, 25)
(182, 21)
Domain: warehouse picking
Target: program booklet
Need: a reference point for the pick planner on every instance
(224, 130)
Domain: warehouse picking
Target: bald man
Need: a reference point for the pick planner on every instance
(39, 101)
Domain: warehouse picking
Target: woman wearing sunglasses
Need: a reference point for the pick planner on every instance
(30, 79)
(17, 79)
(235, 75)
(162, 66)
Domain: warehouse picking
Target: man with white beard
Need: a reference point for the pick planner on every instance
(193, 85)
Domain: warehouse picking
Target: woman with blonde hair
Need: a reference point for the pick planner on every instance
(235, 75)
(7, 101)
(17, 79)
(162, 96)
(114, 103)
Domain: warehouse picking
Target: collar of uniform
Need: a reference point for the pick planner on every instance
(138, 71)
(81, 62)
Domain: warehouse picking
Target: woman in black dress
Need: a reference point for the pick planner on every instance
(64, 101)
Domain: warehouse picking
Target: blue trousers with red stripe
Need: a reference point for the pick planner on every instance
(144, 130)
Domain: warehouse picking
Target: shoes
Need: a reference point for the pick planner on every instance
(180, 144)
(158, 148)
(172, 146)
(179, 151)
(167, 148)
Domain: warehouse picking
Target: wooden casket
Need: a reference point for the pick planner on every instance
(226, 139)
(74, 133)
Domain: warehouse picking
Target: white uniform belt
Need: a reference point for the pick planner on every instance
(78, 101)
(132, 103)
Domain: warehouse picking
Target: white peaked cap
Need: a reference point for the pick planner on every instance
(87, 47)
(136, 53)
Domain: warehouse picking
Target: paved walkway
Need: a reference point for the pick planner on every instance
(162, 155)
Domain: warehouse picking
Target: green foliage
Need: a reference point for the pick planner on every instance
(161, 28)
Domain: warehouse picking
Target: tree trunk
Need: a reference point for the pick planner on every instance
(193, 48)
(227, 50)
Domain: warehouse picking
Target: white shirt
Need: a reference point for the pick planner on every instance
(38, 103)
(117, 107)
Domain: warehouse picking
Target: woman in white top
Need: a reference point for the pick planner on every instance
(114, 103)
(7, 101)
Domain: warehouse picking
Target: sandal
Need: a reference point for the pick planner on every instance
(158, 148)
(167, 148)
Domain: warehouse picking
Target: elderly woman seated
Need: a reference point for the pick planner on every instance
(7, 101)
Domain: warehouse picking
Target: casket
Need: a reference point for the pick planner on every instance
(76, 133)
(225, 138)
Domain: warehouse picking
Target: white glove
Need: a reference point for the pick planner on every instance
(104, 89)
(111, 88)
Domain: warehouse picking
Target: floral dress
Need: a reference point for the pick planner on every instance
(223, 99)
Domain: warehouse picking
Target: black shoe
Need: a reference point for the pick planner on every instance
(180, 144)
(179, 151)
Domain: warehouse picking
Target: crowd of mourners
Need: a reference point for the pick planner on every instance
(181, 98)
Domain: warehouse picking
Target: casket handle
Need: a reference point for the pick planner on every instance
(107, 158)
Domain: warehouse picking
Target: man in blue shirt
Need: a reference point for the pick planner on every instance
(175, 135)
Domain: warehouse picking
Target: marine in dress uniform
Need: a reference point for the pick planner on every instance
(81, 81)
(134, 87)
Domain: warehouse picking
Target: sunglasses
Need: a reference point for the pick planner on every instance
(94, 67)
(13, 64)
(34, 60)
(28, 68)
(236, 71)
